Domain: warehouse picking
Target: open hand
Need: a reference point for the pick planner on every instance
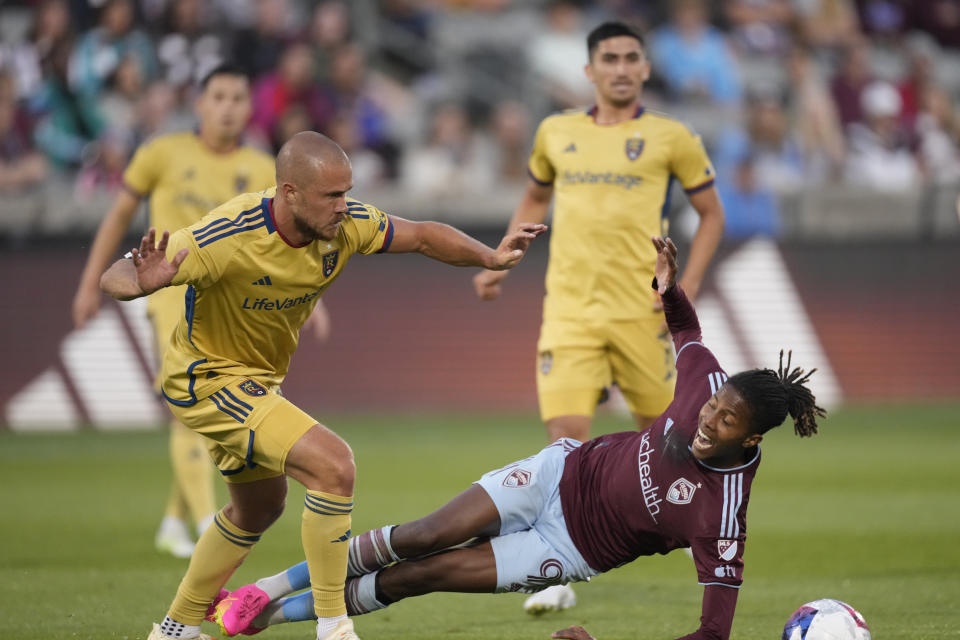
(573, 633)
(666, 268)
(150, 261)
(514, 245)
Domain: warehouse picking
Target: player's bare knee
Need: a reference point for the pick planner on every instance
(256, 516)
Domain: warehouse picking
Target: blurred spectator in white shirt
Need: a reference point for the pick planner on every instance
(29, 60)
(452, 162)
(880, 157)
(188, 49)
(557, 54)
(939, 133)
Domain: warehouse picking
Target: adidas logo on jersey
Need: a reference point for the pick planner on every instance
(570, 148)
(265, 280)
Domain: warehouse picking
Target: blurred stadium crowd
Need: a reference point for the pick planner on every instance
(804, 104)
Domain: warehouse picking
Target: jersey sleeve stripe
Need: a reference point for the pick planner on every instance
(362, 216)
(700, 187)
(224, 221)
(713, 384)
(736, 507)
(538, 180)
(251, 227)
(719, 584)
(726, 499)
(388, 237)
(225, 225)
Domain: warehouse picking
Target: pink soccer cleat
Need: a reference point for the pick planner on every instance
(235, 612)
(213, 605)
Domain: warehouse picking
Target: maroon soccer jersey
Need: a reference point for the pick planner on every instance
(633, 494)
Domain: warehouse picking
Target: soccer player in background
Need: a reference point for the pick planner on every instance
(574, 511)
(611, 168)
(185, 175)
(255, 267)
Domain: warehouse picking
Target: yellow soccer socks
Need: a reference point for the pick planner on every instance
(220, 550)
(325, 532)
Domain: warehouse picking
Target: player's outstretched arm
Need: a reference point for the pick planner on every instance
(147, 271)
(446, 244)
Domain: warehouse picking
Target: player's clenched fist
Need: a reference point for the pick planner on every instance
(487, 284)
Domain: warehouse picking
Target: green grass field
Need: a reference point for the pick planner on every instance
(868, 512)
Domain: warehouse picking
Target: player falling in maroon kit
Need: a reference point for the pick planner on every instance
(573, 511)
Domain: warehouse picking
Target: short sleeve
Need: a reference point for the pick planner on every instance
(719, 561)
(540, 168)
(203, 266)
(143, 172)
(372, 230)
(689, 161)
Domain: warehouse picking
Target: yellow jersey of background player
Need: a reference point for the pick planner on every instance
(611, 168)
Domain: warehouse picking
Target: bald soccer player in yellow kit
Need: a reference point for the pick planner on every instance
(255, 267)
(611, 168)
(185, 175)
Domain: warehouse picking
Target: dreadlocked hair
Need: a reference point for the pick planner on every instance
(771, 395)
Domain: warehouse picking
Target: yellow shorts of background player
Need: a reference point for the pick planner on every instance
(577, 360)
(248, 428)
(165, 308)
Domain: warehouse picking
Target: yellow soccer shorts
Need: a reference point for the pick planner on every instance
(576, 360)
(249, 429)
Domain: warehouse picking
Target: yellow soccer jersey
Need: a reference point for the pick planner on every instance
(185, 180)
(611, 189)
(250, 291)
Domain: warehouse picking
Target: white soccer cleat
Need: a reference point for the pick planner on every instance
(555, 598)
(156, 634)
(343, 631)
(174, 538)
